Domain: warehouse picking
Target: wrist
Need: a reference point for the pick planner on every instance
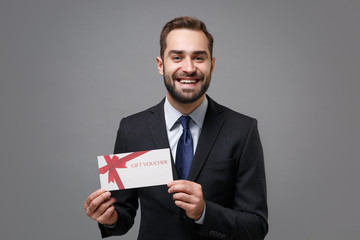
(200, 220)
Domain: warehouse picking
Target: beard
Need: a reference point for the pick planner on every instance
(189, 96)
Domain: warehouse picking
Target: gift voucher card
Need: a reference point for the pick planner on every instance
(135, 169)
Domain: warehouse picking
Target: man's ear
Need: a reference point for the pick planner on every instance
(212, 64)
(159, 63)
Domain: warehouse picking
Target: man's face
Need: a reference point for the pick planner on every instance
(187, 65)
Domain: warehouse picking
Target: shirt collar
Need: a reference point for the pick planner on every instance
(172, 115)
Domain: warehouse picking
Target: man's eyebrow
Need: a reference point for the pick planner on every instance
(201, 53)
(176, 52)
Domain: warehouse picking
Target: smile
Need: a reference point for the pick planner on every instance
(187, 81)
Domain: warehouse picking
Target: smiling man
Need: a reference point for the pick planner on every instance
(219, 191)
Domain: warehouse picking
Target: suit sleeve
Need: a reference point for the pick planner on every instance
(247, 218)
(126, 200)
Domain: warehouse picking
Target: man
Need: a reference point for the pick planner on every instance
(222, 191)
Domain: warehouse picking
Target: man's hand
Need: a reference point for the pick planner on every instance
(188, 196)
(100, 207)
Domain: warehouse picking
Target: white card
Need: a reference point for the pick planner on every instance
(134, 170)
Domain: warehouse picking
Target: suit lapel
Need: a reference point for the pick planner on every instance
(211, 128)
(157, 126)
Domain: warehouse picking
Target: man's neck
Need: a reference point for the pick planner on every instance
(185, 108)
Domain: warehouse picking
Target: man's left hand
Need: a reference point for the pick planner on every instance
(188, 196)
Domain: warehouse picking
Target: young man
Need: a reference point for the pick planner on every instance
(219, 191)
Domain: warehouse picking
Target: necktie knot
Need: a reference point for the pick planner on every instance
(184, 121)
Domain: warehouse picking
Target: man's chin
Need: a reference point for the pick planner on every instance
(185, 99)
(185, 96)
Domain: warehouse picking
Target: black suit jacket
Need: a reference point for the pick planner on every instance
(229, 165)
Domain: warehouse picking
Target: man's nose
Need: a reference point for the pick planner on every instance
(189, 66)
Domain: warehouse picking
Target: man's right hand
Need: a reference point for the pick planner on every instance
(100, 207)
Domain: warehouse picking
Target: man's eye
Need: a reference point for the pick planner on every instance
(199, 58)
(176, 58)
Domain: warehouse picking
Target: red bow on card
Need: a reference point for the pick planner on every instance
(116, 162)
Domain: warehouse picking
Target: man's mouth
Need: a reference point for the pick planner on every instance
(188, 81)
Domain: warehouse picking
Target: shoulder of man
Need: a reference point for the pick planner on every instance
(229, 114)
(157, 109)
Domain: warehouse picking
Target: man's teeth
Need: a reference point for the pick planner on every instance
(187, 81)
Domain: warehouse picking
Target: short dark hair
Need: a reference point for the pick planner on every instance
(187, 23)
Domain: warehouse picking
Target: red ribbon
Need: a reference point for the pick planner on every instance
(116, 162)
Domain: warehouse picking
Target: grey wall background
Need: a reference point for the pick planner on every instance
(70, 70)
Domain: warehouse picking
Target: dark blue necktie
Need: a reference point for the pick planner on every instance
(184, 151)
